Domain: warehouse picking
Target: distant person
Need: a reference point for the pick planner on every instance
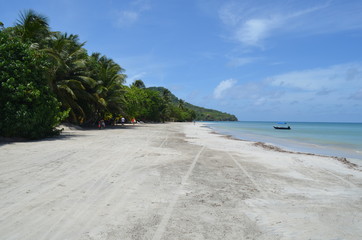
(123, 120)
(103, 124)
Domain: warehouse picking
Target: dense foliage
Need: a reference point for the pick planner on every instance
(204, 114)
(27, 108)
(155, 104)
(198, 113)
(47, 75)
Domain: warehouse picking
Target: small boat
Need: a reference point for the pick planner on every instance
(282, 126)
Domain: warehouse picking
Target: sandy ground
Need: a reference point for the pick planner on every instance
(172, 181)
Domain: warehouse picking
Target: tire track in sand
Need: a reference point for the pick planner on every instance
(43, 191)
(98, 199)
(34, 222)
(257, 186)
(166, 217)
(123, 200)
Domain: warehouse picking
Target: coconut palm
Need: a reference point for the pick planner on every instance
(166, 95)
(68, 77)
(181, 104)
(89, 86)
(32, 27)
(109, 84)
(139, 84)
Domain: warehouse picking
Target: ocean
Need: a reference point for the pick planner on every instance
(331, 139)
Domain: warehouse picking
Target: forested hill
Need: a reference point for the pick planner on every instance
(202, 114)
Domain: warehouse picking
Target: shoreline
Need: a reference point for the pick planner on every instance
(172, 181)
(350, 162)
(293, 167)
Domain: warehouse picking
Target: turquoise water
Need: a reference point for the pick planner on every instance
(332, 139)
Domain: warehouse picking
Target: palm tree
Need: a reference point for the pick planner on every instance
(181, 104)
(32, 27)
(89, 86)
(139, 84)
(109, 84)
(68, 77)
(166, 95)
(66, 74)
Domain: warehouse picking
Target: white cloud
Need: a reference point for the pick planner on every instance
(136, 76)
(228, 15)
(132, 14)
(220, 90)
(126, 18)
(260, 101)
(238, 62)
(252, 24)
(335, 89)
(335, 77)
(253, 31)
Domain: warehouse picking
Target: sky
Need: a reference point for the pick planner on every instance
(260, 60)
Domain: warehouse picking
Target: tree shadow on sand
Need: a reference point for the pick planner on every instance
(69, 131)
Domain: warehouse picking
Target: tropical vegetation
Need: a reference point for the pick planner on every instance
(27, 106)
(198, 113)
(48, 77)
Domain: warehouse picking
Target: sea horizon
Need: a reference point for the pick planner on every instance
(285, 121)
(337, 139)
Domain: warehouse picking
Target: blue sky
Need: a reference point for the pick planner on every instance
(260, 60)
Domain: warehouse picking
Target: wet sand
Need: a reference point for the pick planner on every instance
(172, 181)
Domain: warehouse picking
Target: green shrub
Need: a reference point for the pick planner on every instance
(28, 109)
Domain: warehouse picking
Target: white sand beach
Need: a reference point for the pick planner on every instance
(172, 181)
